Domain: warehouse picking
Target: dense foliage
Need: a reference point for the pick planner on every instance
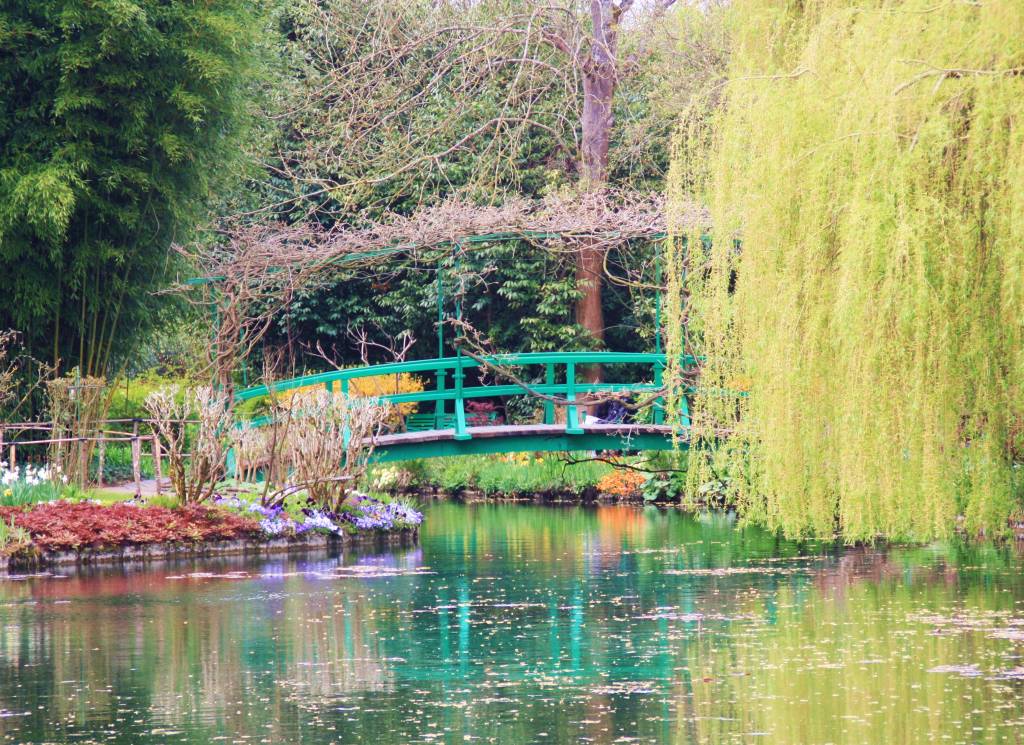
(120, 121)
(871, 157)
(520, 296)
(513, 474)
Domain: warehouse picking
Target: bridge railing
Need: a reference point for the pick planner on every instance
(560, 379)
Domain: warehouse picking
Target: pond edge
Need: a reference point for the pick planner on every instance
(203, 549)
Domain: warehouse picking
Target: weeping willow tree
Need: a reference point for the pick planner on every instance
(864, 352)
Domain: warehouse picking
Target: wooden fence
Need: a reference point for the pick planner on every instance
(138, 433)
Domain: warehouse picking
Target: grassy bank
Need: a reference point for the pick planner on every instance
(646, 477)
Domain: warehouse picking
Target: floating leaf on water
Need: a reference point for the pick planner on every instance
(965, 671)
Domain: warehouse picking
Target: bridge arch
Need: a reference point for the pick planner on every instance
(445, 431)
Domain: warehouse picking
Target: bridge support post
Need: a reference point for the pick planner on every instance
(684, 411)
(347, 434)
(572, 414)
(659, 403)
(461, 432)
(439, 408)
(549, 406)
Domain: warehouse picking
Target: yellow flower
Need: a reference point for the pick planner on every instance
(9, 493)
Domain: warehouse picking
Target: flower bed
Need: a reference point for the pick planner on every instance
(63, 530)
(60, 526)
(361, 513)
(28, 484)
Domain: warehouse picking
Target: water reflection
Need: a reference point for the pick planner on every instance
(517, 624)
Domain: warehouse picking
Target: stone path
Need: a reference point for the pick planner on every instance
(148, 487)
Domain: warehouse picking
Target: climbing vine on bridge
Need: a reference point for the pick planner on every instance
(871, 157)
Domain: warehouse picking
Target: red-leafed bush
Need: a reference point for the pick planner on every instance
(71, 525)
(482, 414)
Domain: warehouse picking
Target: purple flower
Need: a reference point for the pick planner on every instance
(233, 502)
(376, 515)
(277, 525)
(268, 512)
(316, 519)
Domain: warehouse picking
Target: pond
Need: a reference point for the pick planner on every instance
(528, 624)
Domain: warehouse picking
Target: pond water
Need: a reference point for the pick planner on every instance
(525, 624)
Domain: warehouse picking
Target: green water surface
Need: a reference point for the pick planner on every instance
(525, 624)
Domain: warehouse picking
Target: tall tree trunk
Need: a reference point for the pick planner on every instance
(599, 81)
(598, 88)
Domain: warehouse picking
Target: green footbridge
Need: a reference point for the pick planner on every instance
(444, 425)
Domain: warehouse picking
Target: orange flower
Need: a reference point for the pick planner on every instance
(621, 482)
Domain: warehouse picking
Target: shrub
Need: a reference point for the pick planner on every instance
(77, 404)
(328, 444)
(373, 386)
(194, 476)
(70, 525)
(524, 409)
(12, 537)
(482, 413)
(512, 473)
(128, 396)
(669, 477)
(622, 482)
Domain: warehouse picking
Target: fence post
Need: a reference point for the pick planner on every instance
(572, 415)
(136, 459)
(158, 471)
(13, 460)
(102, 461)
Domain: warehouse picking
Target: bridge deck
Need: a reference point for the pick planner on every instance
(523, 430)
(505, 438)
